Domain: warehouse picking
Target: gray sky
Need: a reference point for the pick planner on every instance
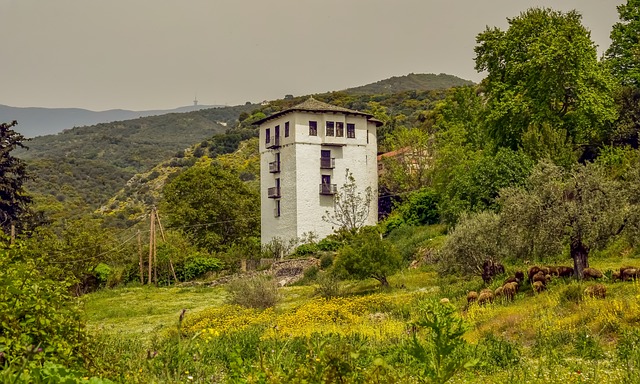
(157, 54)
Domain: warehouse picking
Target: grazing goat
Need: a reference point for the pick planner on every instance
(591, 273)
(509, 290)
(472, 296)
(597, 291)
(538, 286)
(485, 296)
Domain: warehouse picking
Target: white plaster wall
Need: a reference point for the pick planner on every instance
(302, 206)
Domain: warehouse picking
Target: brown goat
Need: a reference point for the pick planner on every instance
(509, 290)
(532, 272)
(597, 291)
(485, 296)
(498, 292)
(629, 274)
(540, 276)
(591, 273)
(472, 296)
(565, 271)
(538, 286)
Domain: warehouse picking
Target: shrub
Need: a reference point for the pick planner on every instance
(572, 293)
(368, 256)
(445, 351)
(102, 272)
(256, 292)
(475, 239)
(306, 249)
(497, 353)
(326, 261)
(40, 320)
(328, 286)
(196, 267)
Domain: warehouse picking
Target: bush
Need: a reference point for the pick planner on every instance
(368, 256)
(306, 249)
(475, 239)
(572, 293)
(196, 267)
(39, 319)
(326, 261)
(420, 208)
(328, 286)
(256, 292)
(102, 272)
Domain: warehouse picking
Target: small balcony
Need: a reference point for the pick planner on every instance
(328, 189)
(274, 142)
(274, 167)
(273, 192)
(327, 162)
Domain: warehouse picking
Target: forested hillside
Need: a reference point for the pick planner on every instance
(410, 82)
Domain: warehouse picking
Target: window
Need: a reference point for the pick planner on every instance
(330, 128)
(276, 209)
(339, 129)
(267, 139)
(286, 129)
(313, 128)
(351, 131)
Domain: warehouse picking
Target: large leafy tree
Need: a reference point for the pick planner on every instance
(623, 55)
(213, 207)
(581, 209)
(544, 70)
(13, 174)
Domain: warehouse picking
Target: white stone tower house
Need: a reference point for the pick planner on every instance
(305, 153)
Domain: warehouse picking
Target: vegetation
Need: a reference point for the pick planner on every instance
(13, 174)
(536, 166)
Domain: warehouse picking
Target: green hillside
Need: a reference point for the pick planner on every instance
(410, 82)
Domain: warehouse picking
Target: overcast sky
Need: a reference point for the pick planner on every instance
(160, 54)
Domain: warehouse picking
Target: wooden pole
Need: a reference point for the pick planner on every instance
(13, 233)
(155, 251)
(173, 272)
(140, 257)
(151, 231)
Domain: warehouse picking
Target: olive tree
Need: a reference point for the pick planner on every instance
(581, 209)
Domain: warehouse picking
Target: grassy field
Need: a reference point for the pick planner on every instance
(556, 336)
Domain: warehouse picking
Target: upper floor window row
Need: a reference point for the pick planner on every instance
(332, 128)
(337, 129)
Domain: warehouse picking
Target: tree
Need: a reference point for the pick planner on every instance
(212, 207)
(473, 185)
(544, 70)
(581, 209)
(369, 256)
(623, 55)
(407, 167)
(13, 174)
(351, 207)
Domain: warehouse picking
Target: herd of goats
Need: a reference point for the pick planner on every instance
(538, 277)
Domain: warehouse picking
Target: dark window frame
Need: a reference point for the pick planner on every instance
(286, 129)
(339, 129)
(330, 128)
(267, 139)
(351, 131)
(313, 128)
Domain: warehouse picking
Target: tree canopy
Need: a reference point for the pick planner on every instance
(213, 207)
(13, 174)
(623, 55)
(543, 70)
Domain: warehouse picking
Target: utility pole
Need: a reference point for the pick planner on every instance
(151, 245)
(140, 257)
(13, 233)
(173, 272)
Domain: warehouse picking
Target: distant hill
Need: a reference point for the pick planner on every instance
(35, 121)
(410, 82)
(81, 168)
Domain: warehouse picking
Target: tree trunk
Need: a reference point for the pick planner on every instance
(580, 255)
(383, 280)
